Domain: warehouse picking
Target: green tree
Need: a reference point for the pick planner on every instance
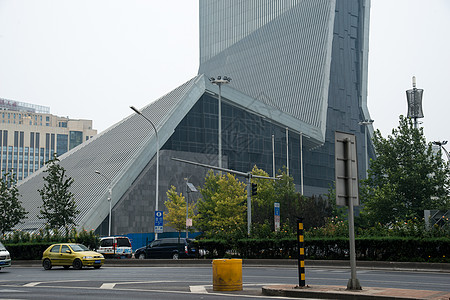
(221, 210)
(262, 202)
(59, 208)
(406, 178)
(176, 206)
(293, 205)
(11, 209)
(288, 198)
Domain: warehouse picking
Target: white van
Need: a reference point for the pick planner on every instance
(5, 258)
(115, 247)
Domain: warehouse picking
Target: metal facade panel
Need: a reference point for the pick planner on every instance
(120, 153)
(279, 52)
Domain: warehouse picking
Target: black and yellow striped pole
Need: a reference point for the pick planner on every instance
(301, 253)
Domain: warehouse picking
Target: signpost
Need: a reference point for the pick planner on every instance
(159, 221)
(276, 215)
(346, 169)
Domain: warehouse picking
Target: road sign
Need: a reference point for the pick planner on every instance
(346, 169)
(347, 191)
(276, 213)
(159, 221)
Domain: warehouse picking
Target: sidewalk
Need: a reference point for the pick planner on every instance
(339, 292)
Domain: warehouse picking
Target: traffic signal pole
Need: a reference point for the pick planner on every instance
(247, 175)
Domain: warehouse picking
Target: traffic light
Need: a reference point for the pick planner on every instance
(254, 189)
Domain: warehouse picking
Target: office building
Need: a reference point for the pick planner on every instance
(299, 73)
(31, 136)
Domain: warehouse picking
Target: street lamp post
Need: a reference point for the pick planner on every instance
(109, 198)
(366, 123)
(157, 159)
(189, 188)
(219, 81)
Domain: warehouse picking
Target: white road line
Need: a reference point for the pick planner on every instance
(109, 285)
(32, 284)
(198, 289)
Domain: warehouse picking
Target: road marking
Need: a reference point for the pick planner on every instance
(198, 289)
(32, 284)
(109, 285)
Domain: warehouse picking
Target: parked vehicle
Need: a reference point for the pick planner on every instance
(66, 255)
(5, 258)
(174, 248)
(115, 247)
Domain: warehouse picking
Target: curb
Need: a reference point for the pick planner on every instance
(336, 292)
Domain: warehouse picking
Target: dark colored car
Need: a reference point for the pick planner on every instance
(174, 248)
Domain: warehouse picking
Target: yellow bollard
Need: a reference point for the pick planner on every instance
(227, 274)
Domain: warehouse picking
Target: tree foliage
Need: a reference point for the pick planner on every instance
(176, 206)
(406, 178)
(11, 209)
(263, 201)
(59, 207)
(221, 210)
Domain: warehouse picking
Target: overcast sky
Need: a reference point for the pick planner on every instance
(93, 59)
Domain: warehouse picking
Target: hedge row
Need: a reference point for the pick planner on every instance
(373, 249)
(27, 251)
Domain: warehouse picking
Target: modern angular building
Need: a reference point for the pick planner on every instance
(30, 136)
(299, 73)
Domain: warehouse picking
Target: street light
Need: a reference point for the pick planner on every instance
(157, 159)
(441, 145)
(219, 81)
(366, 123)
(189, 188)
(109, 198)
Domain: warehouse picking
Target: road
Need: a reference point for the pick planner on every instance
(193, 282)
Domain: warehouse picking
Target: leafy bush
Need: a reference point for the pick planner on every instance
(374, 249)
(25, 245)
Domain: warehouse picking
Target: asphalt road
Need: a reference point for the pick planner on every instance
(193, 282)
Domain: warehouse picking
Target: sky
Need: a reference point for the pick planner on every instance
(94, 59)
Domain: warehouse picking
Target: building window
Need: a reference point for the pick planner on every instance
(62, 143)
(76, 138)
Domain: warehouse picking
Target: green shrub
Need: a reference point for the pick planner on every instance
(25, 245)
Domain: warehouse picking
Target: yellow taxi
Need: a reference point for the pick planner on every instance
(68, 254)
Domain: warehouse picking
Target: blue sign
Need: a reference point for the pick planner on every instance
(159, 221)
(276, 209)
(276, 215)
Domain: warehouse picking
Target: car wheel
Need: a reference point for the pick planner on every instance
(141, 256)
(175, 256)
(77, 264)
(66, 267)
(47, 264)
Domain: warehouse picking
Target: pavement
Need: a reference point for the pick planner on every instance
(313, 291)
(339, 292)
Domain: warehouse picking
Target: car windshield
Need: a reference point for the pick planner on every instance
(2, 247)
(121, 242)
(79, 248)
